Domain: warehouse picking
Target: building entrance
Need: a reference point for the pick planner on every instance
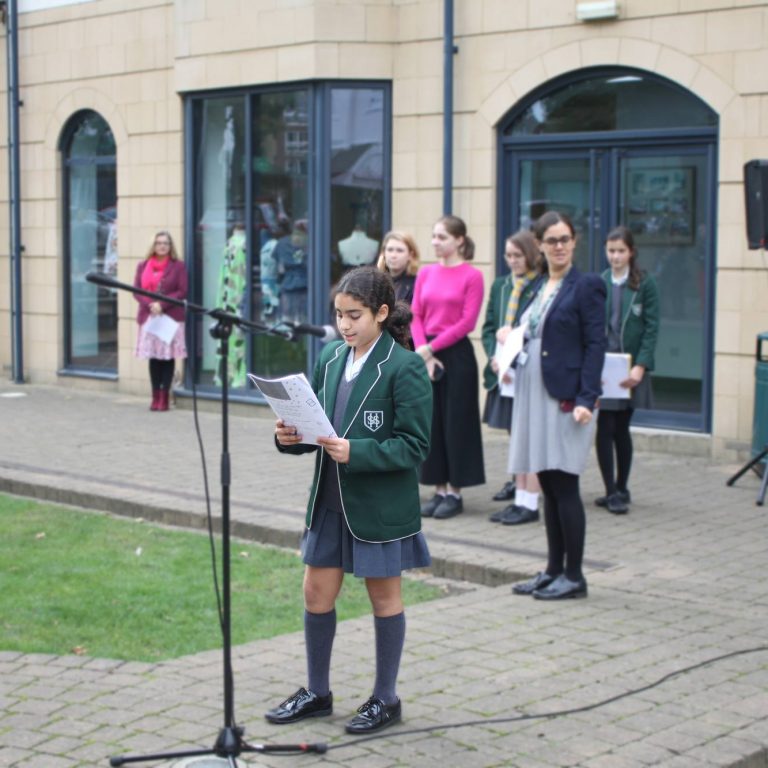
(659, 182)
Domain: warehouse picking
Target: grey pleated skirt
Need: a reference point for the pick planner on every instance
(330, 544)
(544, 437)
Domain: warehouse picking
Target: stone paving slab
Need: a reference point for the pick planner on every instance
(675, 583)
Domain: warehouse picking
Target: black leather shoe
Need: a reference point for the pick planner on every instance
(617, 505)
(507, 493)
(373, 716)
(429, 507)
(540, 580)
(497, 517)
(301, 705)
(562, 588)
(450, 506)
(602, 501)
(520, 515)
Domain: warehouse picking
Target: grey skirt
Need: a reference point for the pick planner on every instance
(330, 544)
(543, 436)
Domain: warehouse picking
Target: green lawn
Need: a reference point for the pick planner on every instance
(87, 583)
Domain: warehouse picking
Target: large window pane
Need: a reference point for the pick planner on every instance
(288, 189)
(357, 177)
(91, 191)
(281, 225)
(663, 201)
(624, 100)
(220, 229)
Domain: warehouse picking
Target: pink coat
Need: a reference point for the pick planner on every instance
(172, 284)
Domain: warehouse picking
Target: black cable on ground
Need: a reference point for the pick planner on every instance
(387, 734)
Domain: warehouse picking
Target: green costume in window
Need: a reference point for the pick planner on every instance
(230, 297)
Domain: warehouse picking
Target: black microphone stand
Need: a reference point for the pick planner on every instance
(229, 743)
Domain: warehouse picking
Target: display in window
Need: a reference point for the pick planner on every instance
(358, 248)
(231, 297)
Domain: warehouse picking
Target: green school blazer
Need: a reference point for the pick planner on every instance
(387, 422)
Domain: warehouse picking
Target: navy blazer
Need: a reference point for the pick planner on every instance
(573, 340)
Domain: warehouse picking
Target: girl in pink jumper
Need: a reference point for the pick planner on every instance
(446, 304)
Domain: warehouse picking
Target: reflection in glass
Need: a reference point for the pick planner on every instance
(91, 191)
(663, 203)
(624, 100)
(280, 276)
(357, 177)
(561, 185)
(220, 229)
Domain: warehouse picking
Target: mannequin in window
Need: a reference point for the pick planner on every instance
(230, 297)
(227, 150)
(290, 255)
(358, 249)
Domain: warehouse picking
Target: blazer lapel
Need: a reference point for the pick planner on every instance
(368, 376)
(334, 369)
(569, 281)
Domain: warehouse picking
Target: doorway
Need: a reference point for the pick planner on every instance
(659, 182)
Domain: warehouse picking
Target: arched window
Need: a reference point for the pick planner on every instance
(614, 145)
(90, 245)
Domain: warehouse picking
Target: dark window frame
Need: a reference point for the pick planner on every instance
(319, 180)
(68, 368)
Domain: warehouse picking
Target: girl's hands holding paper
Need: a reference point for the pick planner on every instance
(336, 447)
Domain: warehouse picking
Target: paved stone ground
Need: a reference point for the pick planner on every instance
(676, 583)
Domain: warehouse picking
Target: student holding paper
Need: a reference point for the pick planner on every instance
(161, 272)
(632, 327)
(509, 297)
(363, 515)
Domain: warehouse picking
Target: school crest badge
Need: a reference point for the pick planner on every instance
(373, 419)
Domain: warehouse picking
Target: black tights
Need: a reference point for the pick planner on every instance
(161, 373)
(613, 430)
(565, 521)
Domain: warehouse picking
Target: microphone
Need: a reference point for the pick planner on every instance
(325, 333)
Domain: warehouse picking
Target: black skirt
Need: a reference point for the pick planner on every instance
(498, 410)
(456, 450)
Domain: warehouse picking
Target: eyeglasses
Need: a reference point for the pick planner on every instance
(553, 241)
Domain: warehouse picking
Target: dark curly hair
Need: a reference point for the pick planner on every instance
(373, 289)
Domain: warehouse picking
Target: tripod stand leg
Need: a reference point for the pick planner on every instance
(763, 486)
(747, 467)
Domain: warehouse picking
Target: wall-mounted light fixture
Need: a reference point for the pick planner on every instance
(597, 10)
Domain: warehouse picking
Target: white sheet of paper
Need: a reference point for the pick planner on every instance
(511, 348)
(507, 388)
(293, 401)
(162, 326)
(616, 370)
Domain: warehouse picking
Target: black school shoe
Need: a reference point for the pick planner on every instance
(373, 716)
(539, 581)
(507, 493)
(301, 705)
(450, 506)
(428, 507)
(562, 588)
(602, 501)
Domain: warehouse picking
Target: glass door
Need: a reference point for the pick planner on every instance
(664, 196)
(570, 183)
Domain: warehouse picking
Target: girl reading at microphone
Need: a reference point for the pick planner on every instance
(363, 515)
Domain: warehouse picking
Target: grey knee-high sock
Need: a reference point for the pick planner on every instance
(319, 631)
(390, 638)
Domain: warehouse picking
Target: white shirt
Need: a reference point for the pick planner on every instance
(354, 366)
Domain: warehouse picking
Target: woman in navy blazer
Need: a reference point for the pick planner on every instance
(557, 385)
